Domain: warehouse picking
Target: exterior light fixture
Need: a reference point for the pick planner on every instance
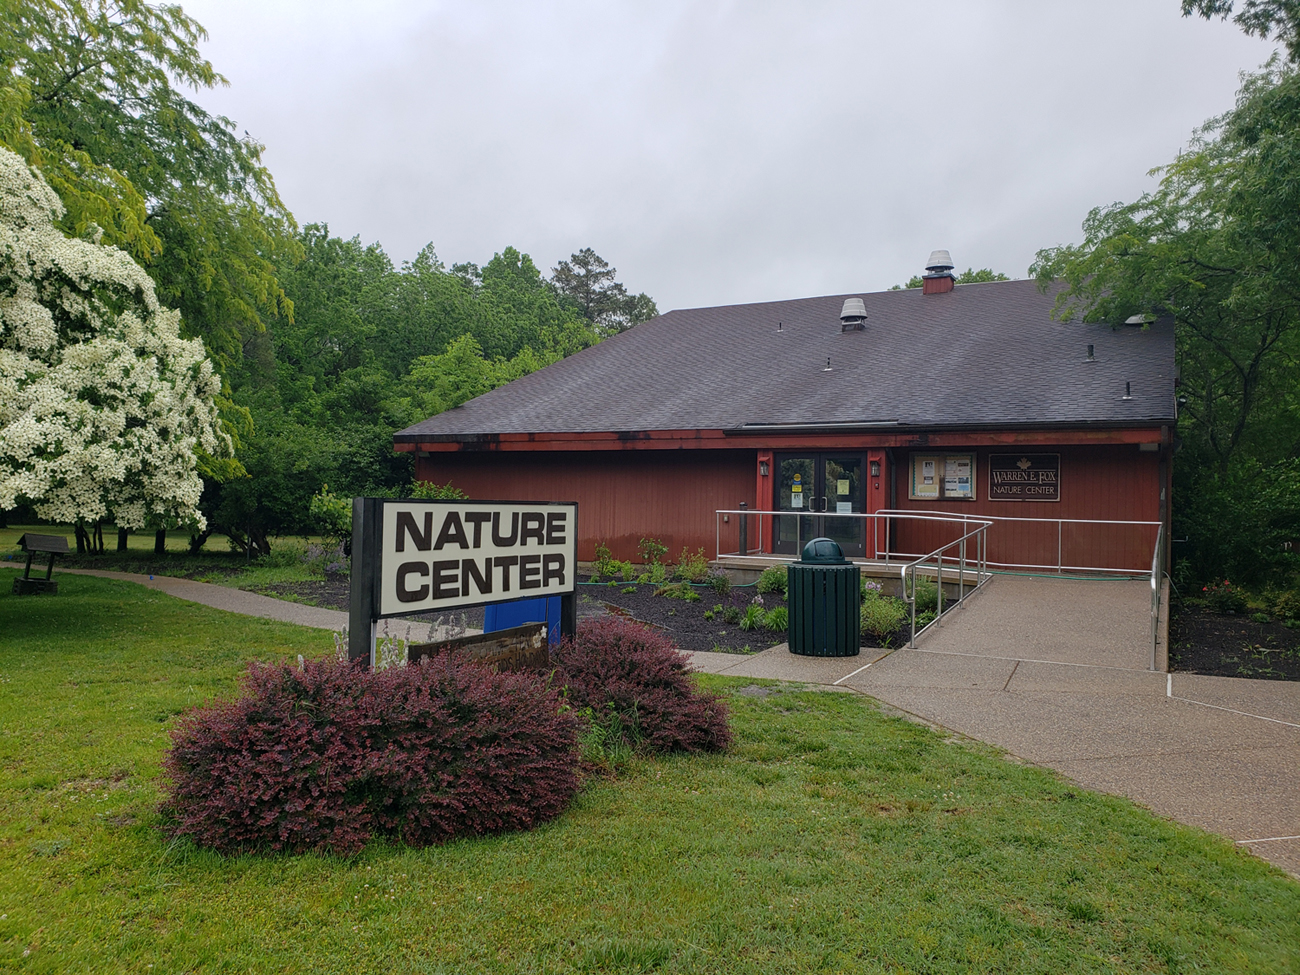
(875, 468)
(762, 468)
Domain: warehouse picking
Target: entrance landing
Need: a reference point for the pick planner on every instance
(1055, 672)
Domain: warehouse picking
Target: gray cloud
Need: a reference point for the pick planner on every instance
(720, 152)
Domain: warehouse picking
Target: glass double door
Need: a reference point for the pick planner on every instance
(815, 488)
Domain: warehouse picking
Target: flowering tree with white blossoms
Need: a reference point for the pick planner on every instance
(104, 408)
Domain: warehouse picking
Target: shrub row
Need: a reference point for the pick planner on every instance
(326, 756)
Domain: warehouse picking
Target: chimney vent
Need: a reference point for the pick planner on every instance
(853, 315)
(940, 261)
(938, 278)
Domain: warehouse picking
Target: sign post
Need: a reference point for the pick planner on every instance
(411, 556)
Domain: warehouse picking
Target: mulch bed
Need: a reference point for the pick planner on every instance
(1202, 642)
(684, 621)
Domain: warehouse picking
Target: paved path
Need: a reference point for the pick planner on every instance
(1054, 671)
(254, 604)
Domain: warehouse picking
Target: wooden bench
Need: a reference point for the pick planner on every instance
(31, 543)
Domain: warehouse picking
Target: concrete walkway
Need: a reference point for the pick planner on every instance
(255, 604)
(1054, 671)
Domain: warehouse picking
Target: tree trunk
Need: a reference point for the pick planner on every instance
(98, 538)
(82, 537)
(160, 542)
(121, 539)
(260, 543)
(197, 541)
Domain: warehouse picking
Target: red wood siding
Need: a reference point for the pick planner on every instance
(622, 497)
(1117, 483)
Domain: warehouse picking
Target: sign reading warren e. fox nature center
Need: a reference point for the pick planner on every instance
(411, 556)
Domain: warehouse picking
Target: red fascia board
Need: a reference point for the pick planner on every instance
(803, 440)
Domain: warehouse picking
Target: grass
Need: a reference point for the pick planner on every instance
(214, 563)
(833, 838)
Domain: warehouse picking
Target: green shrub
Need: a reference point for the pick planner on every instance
(651, 550)
(1224, 597)
(692, 567)
(731, 615)
(926, 594)
(1259, 617)
(678, 590)
(1287, 606)
(777, 620)
(658, 574)
(718, 581)
(753, 617)
(331, 514)
(627, 570)
(882, 616)
(604, 565)
(773, 579)
(428, 491)
(709, 614)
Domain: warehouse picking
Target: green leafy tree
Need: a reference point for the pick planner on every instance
(441, 382)
(968, 276)
(1213, 248)
(588, 283)
(89, 95)
(1260, 18)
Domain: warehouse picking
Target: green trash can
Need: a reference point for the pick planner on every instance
(824, 598)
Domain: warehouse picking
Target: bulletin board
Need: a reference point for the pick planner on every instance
(938, 477)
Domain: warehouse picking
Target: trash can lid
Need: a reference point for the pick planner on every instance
(823, 551)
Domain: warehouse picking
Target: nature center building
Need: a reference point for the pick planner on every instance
(966, 399)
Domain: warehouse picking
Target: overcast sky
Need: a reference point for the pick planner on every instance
(719, 152)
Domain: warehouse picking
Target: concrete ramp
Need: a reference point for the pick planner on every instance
(1098, 623)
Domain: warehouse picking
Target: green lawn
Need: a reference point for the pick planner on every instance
(833, 838)
(213, 563)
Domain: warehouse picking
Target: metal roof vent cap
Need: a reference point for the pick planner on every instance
(939, 261)
(853, 315)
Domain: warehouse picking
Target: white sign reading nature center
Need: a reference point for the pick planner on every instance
(446, 554)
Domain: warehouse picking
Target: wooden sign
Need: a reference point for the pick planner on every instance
(518, 648)
(1024, 477)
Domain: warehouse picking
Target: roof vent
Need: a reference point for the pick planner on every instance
(938, 278)
(940, 261)
(853, 316)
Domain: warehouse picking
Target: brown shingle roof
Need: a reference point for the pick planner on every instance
(980, 355)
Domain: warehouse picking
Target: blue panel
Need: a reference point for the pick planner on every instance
(502, 616)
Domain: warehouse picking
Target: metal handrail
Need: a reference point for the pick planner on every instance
(982, 575)
(1157, 577)
(1060, 565)
(756, 551)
